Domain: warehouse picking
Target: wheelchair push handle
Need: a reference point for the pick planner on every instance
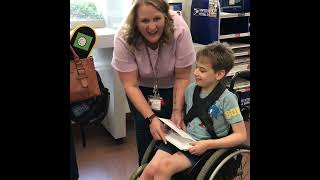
(240, 74)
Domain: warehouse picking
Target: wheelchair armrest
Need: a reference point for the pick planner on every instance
(149, 150)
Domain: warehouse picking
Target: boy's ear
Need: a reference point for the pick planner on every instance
(220, 74)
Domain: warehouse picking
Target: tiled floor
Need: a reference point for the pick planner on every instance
(105, 159)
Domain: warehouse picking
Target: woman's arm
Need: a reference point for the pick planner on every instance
(182, 79)
(131, 87)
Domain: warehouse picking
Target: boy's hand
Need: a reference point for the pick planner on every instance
(198, 147)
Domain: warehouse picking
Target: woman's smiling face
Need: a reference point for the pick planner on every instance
(150, 23)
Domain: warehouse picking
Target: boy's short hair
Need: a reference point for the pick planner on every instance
(220, 55)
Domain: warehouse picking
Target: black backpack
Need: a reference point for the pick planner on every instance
(91, 111)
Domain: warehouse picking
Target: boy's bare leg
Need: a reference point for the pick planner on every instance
(171, 165)
(153, 166)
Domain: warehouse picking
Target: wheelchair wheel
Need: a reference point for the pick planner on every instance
(227, 164)
(235, 166)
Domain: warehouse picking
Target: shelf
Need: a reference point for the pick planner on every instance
(242, 59)
(243, 51)
(235, 45)
(242, 54)
(234, 26)
(234, 35)
(232, 15)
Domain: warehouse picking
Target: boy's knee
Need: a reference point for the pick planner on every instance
(151, 169)
(165, 166)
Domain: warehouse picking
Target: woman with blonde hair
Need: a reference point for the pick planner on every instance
(153, 54)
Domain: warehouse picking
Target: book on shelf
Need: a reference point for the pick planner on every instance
(176, 136)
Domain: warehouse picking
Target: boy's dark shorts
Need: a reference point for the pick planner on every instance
(171, 149)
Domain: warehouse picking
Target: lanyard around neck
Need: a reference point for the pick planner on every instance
(155, 71)
(155, 68)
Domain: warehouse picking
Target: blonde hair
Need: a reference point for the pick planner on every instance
(130, 28)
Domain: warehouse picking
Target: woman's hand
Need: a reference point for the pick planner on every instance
(157, 129)
(177, 119)
(198, 147)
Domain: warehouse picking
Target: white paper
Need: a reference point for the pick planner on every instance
(176, 136)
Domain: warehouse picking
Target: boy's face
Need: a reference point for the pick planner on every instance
(205, 76)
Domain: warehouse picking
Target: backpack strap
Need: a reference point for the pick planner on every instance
(200, 107)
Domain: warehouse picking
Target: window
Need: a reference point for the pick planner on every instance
(98, 13)
(85, 12)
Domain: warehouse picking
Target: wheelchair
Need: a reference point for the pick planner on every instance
(221, 164)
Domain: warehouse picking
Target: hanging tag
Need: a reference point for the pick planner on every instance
(155, 102)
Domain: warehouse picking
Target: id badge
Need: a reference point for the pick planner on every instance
(155, 102)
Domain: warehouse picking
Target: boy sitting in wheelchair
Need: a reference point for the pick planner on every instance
(213, 116)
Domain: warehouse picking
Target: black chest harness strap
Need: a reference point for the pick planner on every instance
(201, 106)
